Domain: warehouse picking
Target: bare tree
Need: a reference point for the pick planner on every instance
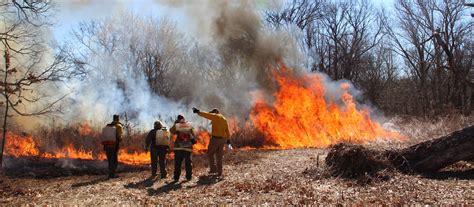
(337, 34)
(153, 48)
(27, 63)
(433, 39)
(379, 78)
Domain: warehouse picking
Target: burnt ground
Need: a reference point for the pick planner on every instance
(251, 177)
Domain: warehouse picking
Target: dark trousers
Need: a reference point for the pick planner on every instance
(179, 156)
(158, 155)
(112, 157)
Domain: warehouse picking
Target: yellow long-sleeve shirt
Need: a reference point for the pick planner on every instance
(220, 128)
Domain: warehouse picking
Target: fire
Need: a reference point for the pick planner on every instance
(70, 152)
(17, 146)
(301, 117)
(84, 129)
(25, 146)
(134, 157)
(202, 140)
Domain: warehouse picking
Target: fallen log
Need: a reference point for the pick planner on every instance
(352, 161)
(433, 155)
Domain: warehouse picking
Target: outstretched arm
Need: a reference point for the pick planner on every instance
(208, 115)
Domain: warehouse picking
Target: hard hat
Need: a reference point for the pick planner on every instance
(214, 110)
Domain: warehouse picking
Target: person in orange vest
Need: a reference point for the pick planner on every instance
(112, 148)
(158, 142)
(220, 136)
(183, 147)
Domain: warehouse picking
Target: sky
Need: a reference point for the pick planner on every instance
(71, 12)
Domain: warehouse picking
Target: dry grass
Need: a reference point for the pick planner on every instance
(252, 177)
(421, 129)
(281, 177)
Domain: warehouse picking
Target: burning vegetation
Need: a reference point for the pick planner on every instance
(18, 146)
(286, 78)
(299, 117)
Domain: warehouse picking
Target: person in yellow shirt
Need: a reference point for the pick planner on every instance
(220, 136)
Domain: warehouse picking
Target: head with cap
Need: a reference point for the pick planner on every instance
(158, 125)
(116, 118)
(214, 111)
(180, 118)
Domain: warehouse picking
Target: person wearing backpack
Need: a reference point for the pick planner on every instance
(158, 142)
(112, 144)
(183, 147)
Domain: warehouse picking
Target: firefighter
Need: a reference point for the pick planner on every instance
(183, 147)
(157, 141)
(220, 136)
(111, 149)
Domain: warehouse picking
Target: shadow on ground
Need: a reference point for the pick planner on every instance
(445, 175)
(171, 186)
(148, 182)
(91, 182)
(208, 180)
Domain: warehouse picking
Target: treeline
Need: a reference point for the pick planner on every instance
(414, 59)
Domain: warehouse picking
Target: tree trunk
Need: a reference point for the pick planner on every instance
(5, 94)
(435, 154)
(352, 161)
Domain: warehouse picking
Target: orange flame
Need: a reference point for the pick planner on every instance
(84, 129)
(17, 145)
(202, 142)
(69, 152)
(301, 117)
(134, 157)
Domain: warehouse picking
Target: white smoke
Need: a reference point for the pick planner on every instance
(233, 57)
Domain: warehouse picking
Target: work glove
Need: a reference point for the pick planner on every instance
(195, 110)
(193, 141)
(229, 146)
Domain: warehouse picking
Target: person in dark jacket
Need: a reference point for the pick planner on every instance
(158, 141)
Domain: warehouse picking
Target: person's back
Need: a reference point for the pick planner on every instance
(157, 141)
(112, 147)
(183, 146)
(184, 135)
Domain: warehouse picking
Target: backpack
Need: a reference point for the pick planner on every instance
(109, 134)
(162, 137)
